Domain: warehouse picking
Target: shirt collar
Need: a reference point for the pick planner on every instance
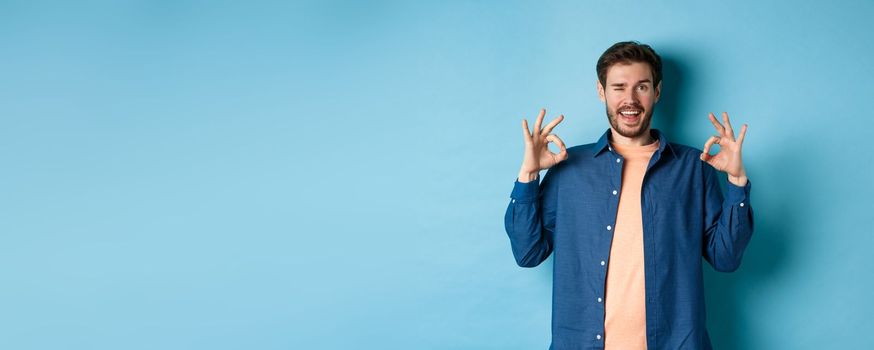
(604, 143)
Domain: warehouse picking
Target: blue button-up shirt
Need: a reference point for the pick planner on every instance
(685, 218)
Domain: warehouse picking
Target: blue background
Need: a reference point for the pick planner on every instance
(333, 175)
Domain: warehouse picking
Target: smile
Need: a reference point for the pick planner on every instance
(631, 116)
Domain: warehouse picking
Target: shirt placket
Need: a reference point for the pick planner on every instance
(649, 265)
(616, 162)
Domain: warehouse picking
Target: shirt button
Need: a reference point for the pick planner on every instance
(603, 262)
(614, 193)
(609, 227)
(513, 201)
(618, 160)
(599, 300)
(741, 204)
(598, 337)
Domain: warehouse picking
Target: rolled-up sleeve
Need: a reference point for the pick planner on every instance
(729, 223)
(530, 219)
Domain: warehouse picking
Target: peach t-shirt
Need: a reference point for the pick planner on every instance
(625, 319)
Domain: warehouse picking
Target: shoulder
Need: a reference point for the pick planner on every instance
(684, 152)
(689, 157)
(582, 151)
(578, 157)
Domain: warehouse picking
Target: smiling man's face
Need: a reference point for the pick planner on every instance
(629, 96)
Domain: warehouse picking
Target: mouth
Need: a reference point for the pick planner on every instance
(630, 115)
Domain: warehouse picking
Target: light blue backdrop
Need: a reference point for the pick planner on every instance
(333, 175)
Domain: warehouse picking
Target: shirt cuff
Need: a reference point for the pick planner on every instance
(526, 192)
(738, 195)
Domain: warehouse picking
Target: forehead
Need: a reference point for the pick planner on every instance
(629, 72)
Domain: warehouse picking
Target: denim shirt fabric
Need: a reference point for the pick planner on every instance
(570, 214)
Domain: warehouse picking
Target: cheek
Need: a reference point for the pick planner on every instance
(647, 99)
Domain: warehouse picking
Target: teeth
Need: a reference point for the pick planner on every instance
(630, 112)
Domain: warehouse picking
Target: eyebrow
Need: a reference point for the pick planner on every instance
(623, 84)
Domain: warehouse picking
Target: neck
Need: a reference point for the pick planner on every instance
(642, 140)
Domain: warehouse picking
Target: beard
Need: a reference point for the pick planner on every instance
(633, 131)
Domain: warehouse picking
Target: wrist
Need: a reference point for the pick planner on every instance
(525, 176)
(739, 181)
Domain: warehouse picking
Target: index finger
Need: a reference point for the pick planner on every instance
(705, 154)
(562, 152)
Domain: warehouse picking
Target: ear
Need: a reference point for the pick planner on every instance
(658, 92)
(601, 92)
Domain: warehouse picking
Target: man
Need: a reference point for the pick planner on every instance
(629, 217)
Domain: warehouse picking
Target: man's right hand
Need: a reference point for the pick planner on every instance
(537, 154)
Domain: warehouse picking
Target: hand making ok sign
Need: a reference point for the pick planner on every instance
(728, 159)
(537, 155)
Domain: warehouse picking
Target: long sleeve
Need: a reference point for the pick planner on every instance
(530, 219)
(729, 222)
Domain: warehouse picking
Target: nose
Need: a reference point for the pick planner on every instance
(631, 95)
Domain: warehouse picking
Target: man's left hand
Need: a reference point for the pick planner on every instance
(728, 159)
